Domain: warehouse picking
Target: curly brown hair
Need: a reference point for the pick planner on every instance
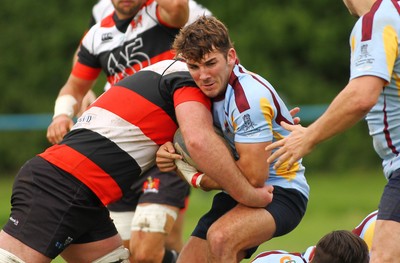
(201, 37)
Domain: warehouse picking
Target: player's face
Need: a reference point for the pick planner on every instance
(127, 8)
(212, 73)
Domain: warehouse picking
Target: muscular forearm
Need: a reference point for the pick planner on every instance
(208, 184)
(217, 163)
(212, 156)
(349, 107)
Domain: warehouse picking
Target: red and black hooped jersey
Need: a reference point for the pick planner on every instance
(116, 139)
(122, 47)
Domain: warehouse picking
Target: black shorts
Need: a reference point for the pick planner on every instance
(51, 209)
(389, 206)
(287, 208)
(154, 187)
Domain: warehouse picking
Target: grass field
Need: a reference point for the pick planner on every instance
(337, 201)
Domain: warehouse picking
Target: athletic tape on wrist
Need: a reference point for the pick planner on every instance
(196, 179)
(65, 105)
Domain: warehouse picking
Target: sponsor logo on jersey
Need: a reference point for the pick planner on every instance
(106, 37)
(152, 185)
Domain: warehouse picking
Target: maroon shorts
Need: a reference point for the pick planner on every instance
(51, 209)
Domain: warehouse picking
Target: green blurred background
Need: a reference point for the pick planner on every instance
(300, 46)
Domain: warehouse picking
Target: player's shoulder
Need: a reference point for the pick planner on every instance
(278, 256)
(366, 228)
(371, 217)
(382, 15)
(168, 66)
(102, 9)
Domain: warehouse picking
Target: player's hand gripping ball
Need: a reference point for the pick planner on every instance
(180, 148)
(187, 168)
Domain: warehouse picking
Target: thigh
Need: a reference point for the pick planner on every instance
(193, 251)
(221, 204)
(385, 242)
(20, 250)
(63, 207)
(89, 252)
(287, 208)
(174, 240)
(244, 227)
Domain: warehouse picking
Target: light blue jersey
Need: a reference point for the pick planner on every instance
(250, 113)
(375, 51)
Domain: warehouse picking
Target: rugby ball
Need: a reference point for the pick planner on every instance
(178, 139)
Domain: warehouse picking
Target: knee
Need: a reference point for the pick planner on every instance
(218, 242)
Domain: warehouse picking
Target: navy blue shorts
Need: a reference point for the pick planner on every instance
(51, 209)
(154, 187)
(389, 206)
(287, 208)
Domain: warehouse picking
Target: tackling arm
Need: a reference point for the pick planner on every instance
(213, 157)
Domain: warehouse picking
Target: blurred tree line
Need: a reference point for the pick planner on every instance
(301, 47)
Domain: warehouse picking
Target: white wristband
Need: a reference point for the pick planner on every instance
(65, 105)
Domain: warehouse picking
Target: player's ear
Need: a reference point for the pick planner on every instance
(231, 58)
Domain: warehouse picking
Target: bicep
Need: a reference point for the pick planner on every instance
(193, 115)
(253, 161)
(364, 90)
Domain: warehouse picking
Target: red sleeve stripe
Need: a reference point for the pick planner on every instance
(185, 94)
(84, 72)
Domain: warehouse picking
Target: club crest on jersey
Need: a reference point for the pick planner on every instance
(248, 123)
(152, 185)
(364, 61)
(106, 37)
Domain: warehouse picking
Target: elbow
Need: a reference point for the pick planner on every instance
(257, 181)
(364, 106)
(193, 144)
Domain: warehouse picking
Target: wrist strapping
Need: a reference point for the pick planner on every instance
(196, 179)
(65, 106)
